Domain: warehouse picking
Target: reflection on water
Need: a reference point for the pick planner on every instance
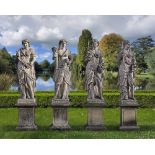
(45, 82)
(41, 84)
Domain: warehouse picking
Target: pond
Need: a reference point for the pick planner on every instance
(45, 82)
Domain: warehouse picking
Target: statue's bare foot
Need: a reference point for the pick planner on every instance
(132, 98)
(23, 97)
(126, 98)
(55, 97)
(65, 98)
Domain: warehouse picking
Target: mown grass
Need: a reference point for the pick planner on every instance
(77, 120)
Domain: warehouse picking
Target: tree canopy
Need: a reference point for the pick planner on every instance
(110, 46)
(142, 48)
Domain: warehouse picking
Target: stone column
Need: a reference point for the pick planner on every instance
(60, 115)
(95, 114)
(26, 114)
(128, 115)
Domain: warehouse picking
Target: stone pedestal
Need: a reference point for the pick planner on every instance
(128, 115)
(26, 114)
(60, 118)
(95, 117)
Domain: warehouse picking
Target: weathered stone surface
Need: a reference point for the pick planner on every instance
(26, 114)
(95, 115)
(60, 118)
(62, 73)
(127, 70)
(128, 115)
(95, 103)
(26, 103)
(25, 70)
(130, 102)
(94, 71)
(95, 119)
(60, 102)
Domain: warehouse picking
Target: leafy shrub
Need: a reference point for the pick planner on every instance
(78, 99)
(5, 81)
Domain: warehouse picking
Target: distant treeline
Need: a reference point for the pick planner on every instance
(110, 46)
(8, 64)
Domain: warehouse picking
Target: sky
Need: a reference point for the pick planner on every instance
(44, 32)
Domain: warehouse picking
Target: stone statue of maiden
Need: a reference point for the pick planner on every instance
(25, 70)
(62, 75)
(94, 71)
(126, 73)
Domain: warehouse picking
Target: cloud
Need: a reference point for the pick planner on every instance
(41, 82)
(46, 34)
(48, 30)
(44, 55)
(44, 85)
(140, 26)
(12, 37)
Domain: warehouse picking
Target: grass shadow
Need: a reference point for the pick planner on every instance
(79, 128)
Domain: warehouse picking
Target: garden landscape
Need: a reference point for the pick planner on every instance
(110, 45)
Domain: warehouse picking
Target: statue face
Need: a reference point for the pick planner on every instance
(65, 44)
(96, 44)
(26, 44)
(127, 46)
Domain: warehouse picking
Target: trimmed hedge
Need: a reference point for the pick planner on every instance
(78, 98)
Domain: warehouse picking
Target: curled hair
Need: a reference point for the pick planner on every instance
(95, 41)
(25, 41)
(62, 41)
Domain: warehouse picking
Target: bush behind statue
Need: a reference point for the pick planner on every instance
(146, 99)
(6, 81)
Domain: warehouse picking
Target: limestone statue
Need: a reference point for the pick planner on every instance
(94, 71)
(126, 73)
(62, 75)
(25, 70)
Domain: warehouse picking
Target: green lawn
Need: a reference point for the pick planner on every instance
(77, 120)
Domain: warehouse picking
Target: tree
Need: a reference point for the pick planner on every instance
(45, 65)
(78, 63)
(13, 64)
(84, 40)
(4, 54)
(142, 48)
(52, 68)
(37, 66)
(7, 64)
(4, 66)
(150, 59)
(110, 46)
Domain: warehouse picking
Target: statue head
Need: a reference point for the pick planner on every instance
(54, 50)
(26, 43)
(95, 43)
(62, 43)
(126, 45)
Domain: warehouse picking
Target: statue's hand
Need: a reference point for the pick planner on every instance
(28, 65)
(99, 69)
(31, 63)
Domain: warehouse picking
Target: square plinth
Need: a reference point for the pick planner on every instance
(128, 116)
(95, 115)
(26, 114)
(60, 114)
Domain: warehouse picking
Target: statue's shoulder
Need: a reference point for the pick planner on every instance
(19, 51)
(68, 52)
(32, 51)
